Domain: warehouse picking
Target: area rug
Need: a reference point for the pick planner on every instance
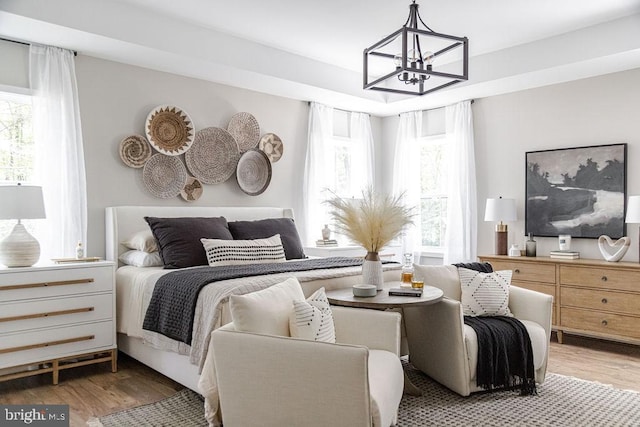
(561, 401)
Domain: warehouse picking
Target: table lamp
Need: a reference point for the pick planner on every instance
(500, 210)
(20, 249)
(633, 213)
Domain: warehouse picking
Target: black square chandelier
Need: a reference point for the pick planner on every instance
(414, 61)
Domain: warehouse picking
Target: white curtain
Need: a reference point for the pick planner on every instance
(60, 156)
(406, 176)
(362, 168)
(462, 221)
(316, 178)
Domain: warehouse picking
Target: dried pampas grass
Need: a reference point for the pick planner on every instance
(372, 221)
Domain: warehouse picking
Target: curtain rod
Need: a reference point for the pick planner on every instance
(75, 53)
(340, 109)
(431, 109)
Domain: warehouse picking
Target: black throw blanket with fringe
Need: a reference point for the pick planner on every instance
(505, 357)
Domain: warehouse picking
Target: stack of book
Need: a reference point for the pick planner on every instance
(405, 292)
(564, 254)
(326, 242)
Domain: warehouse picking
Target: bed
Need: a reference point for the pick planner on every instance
(135, 284)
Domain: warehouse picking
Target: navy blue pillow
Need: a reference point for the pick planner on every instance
(179, 238)
(264, 228)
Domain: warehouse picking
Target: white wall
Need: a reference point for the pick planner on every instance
(594, 111)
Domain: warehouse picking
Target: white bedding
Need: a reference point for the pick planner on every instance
(135, 288)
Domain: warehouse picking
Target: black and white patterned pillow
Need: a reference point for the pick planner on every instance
(238, 252)
(485, 294)
(312, 319)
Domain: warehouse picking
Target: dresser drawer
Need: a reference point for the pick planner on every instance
(44, 283)
(543, 288)
(602, 278)
(44, 313)
(601, 300)
(35, 346)
(528, 271)
(605, 323)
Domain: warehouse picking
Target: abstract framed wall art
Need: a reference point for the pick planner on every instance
(577, 191)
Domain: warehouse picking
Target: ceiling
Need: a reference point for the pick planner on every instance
(312, 50)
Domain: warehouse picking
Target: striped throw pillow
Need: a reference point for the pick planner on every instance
(485, 294)
(312, 319)
(237, 252)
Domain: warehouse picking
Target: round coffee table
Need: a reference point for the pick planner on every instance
(384, 301)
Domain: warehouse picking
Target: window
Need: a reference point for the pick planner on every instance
(433, 187)
(344, 181)
(17, 148)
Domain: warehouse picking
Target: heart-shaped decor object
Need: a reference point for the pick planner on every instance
(620, 246)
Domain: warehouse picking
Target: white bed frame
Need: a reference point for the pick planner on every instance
(123, 221)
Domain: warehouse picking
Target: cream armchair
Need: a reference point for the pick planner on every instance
(444, 348)
(266, 380)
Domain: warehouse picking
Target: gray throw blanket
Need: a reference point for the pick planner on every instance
(173, 302)
(505, 357)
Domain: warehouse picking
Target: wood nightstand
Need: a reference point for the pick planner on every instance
(56, 317)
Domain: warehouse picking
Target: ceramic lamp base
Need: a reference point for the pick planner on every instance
(19, 249)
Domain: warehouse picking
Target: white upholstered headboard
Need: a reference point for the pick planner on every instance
(123, 221)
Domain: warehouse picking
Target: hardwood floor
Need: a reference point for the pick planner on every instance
(92, 391)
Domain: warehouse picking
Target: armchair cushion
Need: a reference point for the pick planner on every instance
(266, 311)
(485, 294)
(312, 319)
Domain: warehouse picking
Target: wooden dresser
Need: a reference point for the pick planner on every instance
(56, 317)
(591, 297)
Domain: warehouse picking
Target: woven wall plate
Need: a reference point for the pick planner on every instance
(164, 176)
(169, 130)
(254, 172)
(192, 190)
(135, 150)
(245, 129)
(214, 155)
(271, 145)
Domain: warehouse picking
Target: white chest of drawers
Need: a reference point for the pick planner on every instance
(56, 317)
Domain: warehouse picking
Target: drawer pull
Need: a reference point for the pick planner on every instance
(604, 300)
(604, 278)
(46, 344)
(47, 284)
(47, 314)
(517, 270)
(604, 323)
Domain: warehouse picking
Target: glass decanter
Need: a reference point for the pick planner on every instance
(407, 270)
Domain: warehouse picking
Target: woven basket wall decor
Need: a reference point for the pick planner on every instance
(134, 151)
(253, 172)
(192, 190)
(164, 176)
(169, 130)
(214, 155)
(245, 129)
(271, 145)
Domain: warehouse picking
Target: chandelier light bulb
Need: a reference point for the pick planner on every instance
(398, 60)
(428, 57)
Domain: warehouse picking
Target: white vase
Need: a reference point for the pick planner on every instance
(372, 270)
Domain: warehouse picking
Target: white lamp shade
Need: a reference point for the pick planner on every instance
(633, 210)
(500, 210)
(21, 202)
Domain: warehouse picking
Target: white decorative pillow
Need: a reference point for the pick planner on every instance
(485, 294)
(266, 311)
(237, 252)
(312, 319)
(142, 241)
(141, 259)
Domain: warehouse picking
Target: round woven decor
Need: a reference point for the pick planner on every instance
(245, 129)
(254, 172)
(135, 151)
(271, 145)
(213, 156)
(170, 130)
(192, 190)
(164, 176)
